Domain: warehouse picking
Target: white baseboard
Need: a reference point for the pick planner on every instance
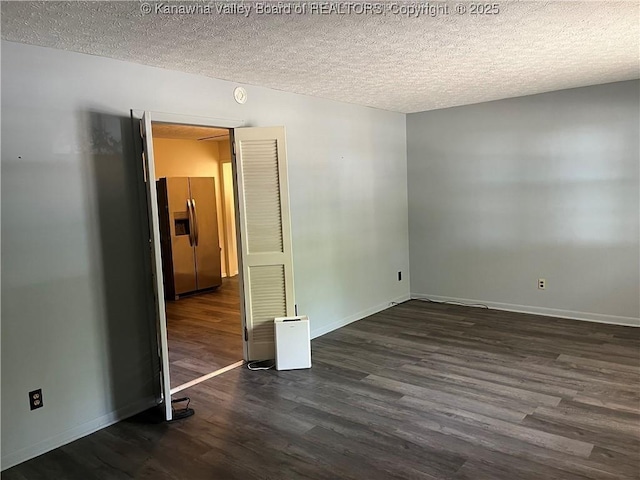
(318, 332)
(549, 312)
(32, 451)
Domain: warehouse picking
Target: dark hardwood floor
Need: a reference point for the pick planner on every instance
(205, 332)
(419, 391)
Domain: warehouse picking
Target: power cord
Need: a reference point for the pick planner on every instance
(395, 304)
(477, 305)
(261, 365)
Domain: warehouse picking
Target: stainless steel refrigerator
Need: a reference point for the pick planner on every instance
(189, 235)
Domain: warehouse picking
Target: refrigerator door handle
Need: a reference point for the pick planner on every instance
(195, 221)
(191, 222)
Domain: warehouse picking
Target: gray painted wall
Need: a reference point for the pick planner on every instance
(506, 192)
(75, 283)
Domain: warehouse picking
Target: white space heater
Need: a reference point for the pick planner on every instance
(293, 342)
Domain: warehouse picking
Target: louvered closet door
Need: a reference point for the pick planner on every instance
(265, 234)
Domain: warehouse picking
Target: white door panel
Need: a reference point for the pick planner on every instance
(156, 261)
(265, 234)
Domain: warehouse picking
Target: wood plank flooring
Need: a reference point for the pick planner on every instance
(204, 332)
(419, 391)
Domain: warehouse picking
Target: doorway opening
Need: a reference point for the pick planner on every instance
(197, 219)
(262, 230)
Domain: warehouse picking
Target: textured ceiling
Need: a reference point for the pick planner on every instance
(390, 61)
(188, 132)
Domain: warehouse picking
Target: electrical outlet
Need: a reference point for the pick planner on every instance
(542, 283)
(399, 276)
(35, 399)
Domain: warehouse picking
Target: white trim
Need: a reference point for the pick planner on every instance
(157, 266)
(163, 117)
(549, 312)
(201, 379)
(318, 332)
(79, 431)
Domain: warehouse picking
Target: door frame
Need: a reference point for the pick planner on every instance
(190, 120)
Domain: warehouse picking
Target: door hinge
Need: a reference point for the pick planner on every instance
(295, 309)
(233, 148)
(144, 167)
(246, 334)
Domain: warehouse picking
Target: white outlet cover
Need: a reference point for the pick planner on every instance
(240, 94)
